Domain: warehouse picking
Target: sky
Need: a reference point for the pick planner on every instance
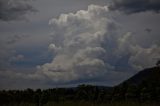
(63, 43)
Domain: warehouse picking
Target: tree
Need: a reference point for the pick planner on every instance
(158, 63)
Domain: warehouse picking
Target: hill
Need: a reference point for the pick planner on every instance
(150, 75)
(144, 86)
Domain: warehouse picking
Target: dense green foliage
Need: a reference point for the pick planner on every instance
(130, 91)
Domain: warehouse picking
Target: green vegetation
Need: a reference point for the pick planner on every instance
(136, 91)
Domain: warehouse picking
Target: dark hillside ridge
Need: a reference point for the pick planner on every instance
(149, 75)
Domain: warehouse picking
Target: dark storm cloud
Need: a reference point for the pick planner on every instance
(133, 6)
(14, 9)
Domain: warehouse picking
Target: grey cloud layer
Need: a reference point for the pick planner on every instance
(133, 6)
(7, 50)
(14, 9)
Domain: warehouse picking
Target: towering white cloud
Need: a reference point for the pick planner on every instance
(88, 44)
(80, 37)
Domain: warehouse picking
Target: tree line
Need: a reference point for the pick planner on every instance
(95, 94)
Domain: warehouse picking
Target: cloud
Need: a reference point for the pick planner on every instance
(8, 50)
(91, 45)
(52, 47)
(148, 30)
(15, 38)
(18, 57)
(88, 46)
(79, 36)
(14, 9)
(134, 6)
(144, 57)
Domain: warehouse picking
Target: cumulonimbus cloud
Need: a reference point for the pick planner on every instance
(88, 44)
(134, 6)
(78, 37)
(14, 9)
